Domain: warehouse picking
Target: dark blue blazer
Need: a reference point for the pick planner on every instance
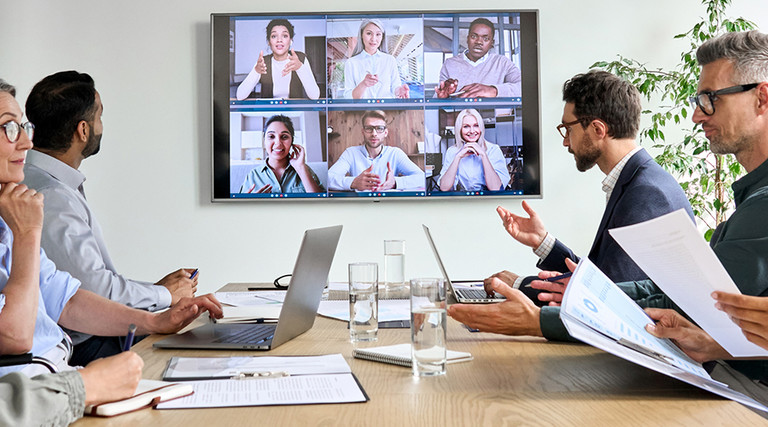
(643, 191)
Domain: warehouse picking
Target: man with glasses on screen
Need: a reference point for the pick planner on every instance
(66, 108)
(477, 72)
(600, 121)
(374, 166)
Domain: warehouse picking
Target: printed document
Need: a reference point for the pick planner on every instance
(293, 390)
(675, 256)
(597, 312)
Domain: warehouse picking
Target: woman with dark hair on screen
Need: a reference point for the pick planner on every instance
(285, 170)
(371, 72)
(284, 73)
(473, 163)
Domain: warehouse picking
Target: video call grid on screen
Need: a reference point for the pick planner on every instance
(325, 98)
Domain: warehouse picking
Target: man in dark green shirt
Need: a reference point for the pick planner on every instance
(732, 109)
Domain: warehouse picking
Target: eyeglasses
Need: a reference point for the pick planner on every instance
(378, 129)
(565, 128)
(475, 37)
(706, 100)
(13, 130)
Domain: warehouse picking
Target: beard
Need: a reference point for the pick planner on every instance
(93, 146)
(588, 155)
(719, 145)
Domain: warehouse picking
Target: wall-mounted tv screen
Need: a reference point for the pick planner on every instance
(375, 105)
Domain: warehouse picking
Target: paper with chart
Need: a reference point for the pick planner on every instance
(594, 300)
(597, 312)
(675, 256)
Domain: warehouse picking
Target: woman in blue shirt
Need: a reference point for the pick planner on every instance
(473, 163)
(285, 170)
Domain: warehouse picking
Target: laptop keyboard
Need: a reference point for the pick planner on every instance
(472, 293)
(255, 335)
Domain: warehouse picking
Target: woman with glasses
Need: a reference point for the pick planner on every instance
(473, 163)
(371, 72)
(285, 170)
(284, 73)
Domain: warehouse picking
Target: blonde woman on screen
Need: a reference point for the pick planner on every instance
(473, 163)
(371, 72)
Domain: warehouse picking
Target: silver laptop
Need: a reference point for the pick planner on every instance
(310, 275)
(465, 291)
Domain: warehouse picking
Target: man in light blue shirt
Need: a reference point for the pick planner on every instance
(374, 166)
(67, 113)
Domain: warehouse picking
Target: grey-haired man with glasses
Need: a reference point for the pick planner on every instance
(732, 110)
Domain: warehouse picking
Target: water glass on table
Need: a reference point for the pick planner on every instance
(363, 301)
(394, 267)
(428, 326)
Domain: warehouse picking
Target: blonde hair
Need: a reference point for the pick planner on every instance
(460, 122)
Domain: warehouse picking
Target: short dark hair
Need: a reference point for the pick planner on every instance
(282, 119)
(486, 22)
(7, 88)
(280, 22)
(376, 114)
(747, 51)
(57, 104)
(602, 95)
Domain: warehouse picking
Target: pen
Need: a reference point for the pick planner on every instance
(554, 279)
(560, 277)
(194, 273)
(129, 337)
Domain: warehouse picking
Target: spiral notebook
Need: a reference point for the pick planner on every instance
(400, 354)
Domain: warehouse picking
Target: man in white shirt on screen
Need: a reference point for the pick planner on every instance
(66, 110)
(374, 166)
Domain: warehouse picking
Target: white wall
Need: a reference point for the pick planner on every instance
(150, 185)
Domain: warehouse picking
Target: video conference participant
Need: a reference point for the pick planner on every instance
(373, 165)
(285, 170)
(477, 72)
(284, 73)
(60, 398)
(371, 72)
(67, 108)
(600, 121)
(473, 163)
(34, 295)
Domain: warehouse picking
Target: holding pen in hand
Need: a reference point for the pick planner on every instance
(129, 337)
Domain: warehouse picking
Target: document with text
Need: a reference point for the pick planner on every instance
(292, 390)
(597, 312)
(200, 368)
(672, 252)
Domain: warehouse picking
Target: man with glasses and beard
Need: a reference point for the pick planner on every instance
(66, 110)
(600, 121)
(374, 166)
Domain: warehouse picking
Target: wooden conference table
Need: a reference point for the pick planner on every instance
(512, 380)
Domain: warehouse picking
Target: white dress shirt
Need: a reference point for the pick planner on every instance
(354, 160)
(72, 237)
